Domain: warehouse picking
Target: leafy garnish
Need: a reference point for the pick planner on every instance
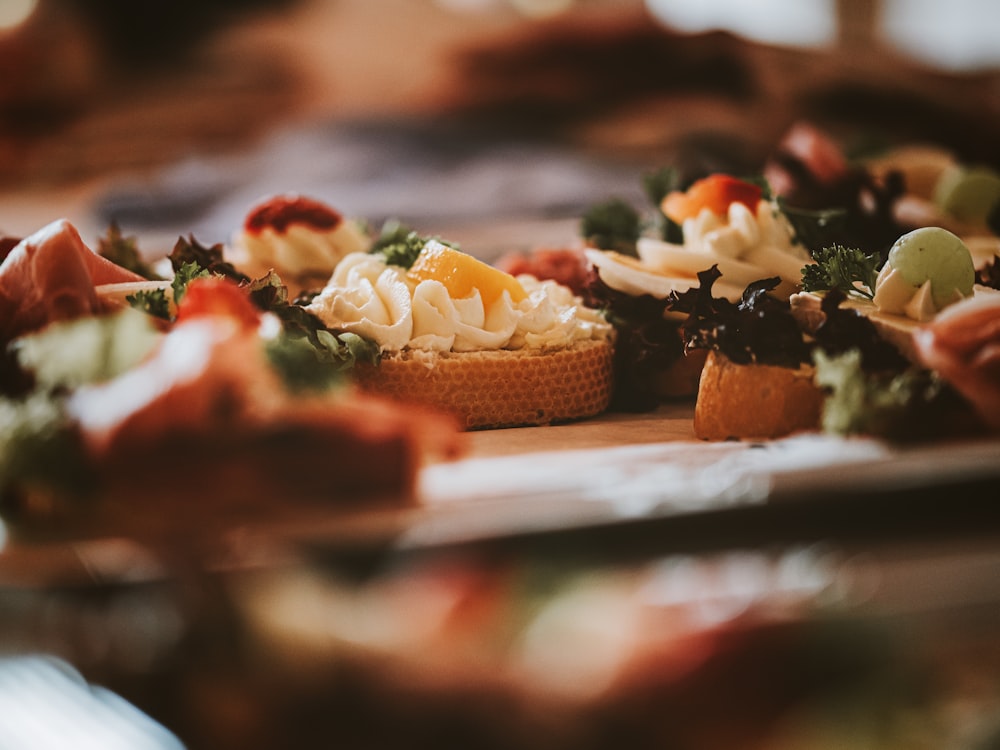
(647, 342)
(612, 225)
(399, 245)
(852, 207)
(152, 302)
(184, 275)
(188, 251)
(308, 355)
(815, 229)
(659, 182)
(124, 251)
(902, 405)
(843, 329)
(656, 185)
(267, 292)
(312, 367)
(39, 448)
(404, 252)
(192, 260)
(39, 444)
(758, 329)
(847, 269)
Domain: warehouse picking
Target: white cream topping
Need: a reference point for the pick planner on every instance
(381, 303)
(301, 250)
(745, 245)
(897, 296)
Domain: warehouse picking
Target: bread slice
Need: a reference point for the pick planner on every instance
(499, 388)
(755, 402)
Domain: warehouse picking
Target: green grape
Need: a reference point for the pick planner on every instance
(936, 254)
(968, 193)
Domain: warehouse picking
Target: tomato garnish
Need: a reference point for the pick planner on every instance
(217, 296)
(281, 211)
(715, 192)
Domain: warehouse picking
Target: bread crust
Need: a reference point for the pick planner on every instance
(499, 388)
(755, 402)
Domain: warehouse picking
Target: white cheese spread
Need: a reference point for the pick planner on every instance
(300, 250)
(746, 245)
(382, 303)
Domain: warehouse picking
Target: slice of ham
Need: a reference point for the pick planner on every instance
(963, 345)
(51, 276)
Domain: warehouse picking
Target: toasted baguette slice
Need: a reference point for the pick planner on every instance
(501, 388)
(754, 402)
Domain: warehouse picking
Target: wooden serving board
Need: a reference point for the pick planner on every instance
(668, 423)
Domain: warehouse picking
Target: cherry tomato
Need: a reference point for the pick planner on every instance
(281, 211)
(715, 193)
(216, 295)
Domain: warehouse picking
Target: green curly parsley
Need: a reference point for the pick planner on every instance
(155, 302)
(399, 245)
(845, 268)
(152, 302)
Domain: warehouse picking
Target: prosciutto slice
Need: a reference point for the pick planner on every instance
(963, 345)
(51, 276)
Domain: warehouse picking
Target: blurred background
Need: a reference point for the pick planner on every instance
(173, 117)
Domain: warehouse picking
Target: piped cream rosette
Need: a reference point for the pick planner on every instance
(492, 360)
(746, 244)
(300, 250)
(384, 304)
(299, 238)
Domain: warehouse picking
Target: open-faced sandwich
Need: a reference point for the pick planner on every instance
(752, 240)
(214, 399)
(903, 348)
(299, 238)
(460, 335)
(634, 266)
(450, 331)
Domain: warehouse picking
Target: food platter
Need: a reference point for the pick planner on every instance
(616, 485)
